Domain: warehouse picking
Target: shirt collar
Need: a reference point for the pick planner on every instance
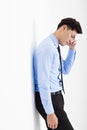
(55, 40)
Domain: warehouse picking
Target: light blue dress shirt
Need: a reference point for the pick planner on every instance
(47, 69)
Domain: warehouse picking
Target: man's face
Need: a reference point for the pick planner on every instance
(68, 36)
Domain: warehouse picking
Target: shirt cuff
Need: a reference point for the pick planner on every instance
(72, 51)
(48, 107)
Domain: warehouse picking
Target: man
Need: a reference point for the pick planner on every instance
(48, 69)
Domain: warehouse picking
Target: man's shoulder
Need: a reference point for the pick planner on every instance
(46, 45)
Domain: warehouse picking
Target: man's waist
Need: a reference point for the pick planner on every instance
(56, 93)
(52, 93)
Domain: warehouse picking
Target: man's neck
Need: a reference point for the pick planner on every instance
(57, 35)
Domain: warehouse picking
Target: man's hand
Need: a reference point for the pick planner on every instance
(72, 45)
(52, 121)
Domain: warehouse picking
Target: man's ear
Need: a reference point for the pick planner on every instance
(64, 27)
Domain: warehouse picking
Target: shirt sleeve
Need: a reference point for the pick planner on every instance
(44, 61)
(68, 62)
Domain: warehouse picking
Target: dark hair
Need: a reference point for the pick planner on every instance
(71, 23)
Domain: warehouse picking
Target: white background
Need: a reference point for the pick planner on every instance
(23, 24)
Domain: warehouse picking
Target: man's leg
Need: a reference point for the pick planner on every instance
(58, 104)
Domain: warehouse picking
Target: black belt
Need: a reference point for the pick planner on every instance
(56, 93)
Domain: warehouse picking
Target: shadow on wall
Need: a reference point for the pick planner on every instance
(35, 112)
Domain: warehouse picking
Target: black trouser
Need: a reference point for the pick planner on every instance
(58, 104)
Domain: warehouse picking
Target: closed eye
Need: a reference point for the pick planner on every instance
(72, 36)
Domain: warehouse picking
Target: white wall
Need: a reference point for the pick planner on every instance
(24, 24)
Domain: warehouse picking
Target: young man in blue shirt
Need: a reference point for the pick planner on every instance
(47, 73)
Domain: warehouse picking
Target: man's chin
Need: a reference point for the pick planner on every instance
(63, 44)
